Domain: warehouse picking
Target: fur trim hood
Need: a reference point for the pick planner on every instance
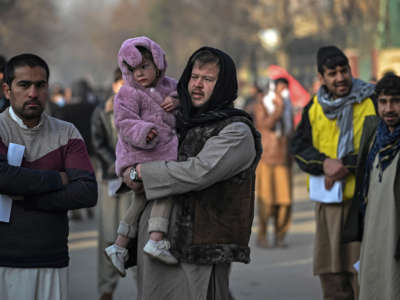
(131, 55)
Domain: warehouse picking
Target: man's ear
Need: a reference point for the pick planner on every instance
(6, 90)
(321, 78)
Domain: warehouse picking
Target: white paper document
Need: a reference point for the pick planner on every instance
(357, 266)
(319, 193)
(113, 186)
(15, 155)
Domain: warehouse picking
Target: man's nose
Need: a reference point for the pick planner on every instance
(198, 82)
(33, 91)
(339, 77)
(389, 106)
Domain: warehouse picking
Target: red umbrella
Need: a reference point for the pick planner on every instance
(298, 94)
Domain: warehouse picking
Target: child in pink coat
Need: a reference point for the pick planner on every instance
(146, 132)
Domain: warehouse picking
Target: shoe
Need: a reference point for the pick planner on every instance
(160, 250)
(117, 257)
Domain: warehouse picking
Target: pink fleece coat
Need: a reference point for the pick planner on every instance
(137, 110)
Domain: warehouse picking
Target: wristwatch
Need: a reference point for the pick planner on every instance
(133, 175)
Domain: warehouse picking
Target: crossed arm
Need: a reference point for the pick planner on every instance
(51, 190)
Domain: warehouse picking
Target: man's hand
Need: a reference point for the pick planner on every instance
(137, 187)
(64, 178)
(334, 168)
(278, 101)
(329, 182)
(170, 103)
(151, 135)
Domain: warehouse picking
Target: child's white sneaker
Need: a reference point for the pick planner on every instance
(117, 256)
(160, 250)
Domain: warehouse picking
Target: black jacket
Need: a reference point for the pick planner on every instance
(104, 139)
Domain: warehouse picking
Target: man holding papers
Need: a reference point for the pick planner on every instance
(375, 212)
(45, 169)
(326, 144)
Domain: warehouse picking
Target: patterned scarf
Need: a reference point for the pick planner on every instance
(341, 109)
(386, 145)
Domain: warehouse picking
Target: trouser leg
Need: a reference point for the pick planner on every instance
(282, 201)
(218, 288)
(282, 222)
(128, 225)
(111, 210)
(263, 217)
(159, 218)
(264, 208)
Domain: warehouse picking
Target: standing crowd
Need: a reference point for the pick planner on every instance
(180, 170)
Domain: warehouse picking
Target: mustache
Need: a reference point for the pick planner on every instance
(33, 102)
(390, 115)
(197, 92)
(342, 83)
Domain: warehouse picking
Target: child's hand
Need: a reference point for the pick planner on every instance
(170, 103)
(151, 135)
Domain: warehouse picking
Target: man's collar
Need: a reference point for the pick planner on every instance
(19, 121)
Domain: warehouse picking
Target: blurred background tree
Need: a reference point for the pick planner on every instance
(82, 38)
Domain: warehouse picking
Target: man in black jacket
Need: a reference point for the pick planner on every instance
(55, 175)
(326, 144)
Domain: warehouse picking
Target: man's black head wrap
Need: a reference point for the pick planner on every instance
(330, 57)
(220, 104)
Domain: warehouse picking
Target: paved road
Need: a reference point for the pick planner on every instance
(277, 274)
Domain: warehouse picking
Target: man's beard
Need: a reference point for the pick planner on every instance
(201, 109)
(30, 114)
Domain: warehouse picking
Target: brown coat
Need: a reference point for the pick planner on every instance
(275, 148)
(214, 224)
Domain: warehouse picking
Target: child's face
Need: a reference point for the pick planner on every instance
(146, 73)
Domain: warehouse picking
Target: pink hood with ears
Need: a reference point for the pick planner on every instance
(131, 55)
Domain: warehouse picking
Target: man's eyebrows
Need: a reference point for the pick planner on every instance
(31, 82)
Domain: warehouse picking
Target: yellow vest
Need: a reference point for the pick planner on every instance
(325, 134)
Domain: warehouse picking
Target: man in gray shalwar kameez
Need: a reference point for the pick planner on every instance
(374, 217)
(212, 184)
